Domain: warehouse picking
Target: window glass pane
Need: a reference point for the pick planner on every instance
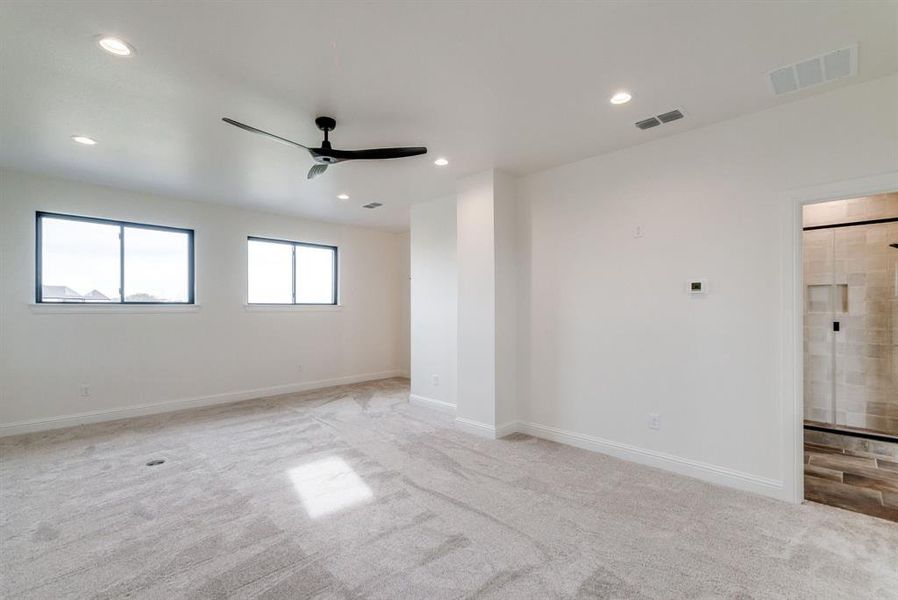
(79, 261)
(314, 275)
(270, 272)
(156, 265)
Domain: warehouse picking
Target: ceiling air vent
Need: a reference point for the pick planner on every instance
(814, 71)
(648, 123)
(372, 205)
(670, 116)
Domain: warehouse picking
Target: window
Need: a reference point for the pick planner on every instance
(99, 261)
(282, 272)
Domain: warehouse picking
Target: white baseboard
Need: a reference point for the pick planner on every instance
(506, 429)
(440, 405)
(485, 430)
(112, 414)
(475, 427)
(676, 464)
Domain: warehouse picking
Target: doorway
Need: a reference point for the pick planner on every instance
(850, 347)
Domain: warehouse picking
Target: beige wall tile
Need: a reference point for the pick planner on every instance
(852, 269)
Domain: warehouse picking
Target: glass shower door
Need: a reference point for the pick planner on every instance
(821, 298)
(865, 290)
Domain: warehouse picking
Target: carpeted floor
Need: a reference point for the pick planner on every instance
(353, 493)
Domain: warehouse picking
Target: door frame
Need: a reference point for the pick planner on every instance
(793, 299)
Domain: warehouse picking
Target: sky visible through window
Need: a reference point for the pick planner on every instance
(271, 273)
(81, 263)
(314, 275)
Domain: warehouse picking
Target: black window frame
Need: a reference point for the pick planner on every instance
(38, 278)
(335, 292)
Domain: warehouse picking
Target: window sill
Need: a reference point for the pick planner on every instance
(130, 309)
(292, 307)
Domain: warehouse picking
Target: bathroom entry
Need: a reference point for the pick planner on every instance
(851, 353)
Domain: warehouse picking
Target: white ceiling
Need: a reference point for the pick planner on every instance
(516, 85)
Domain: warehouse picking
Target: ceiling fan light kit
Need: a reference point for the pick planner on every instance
(326, 155)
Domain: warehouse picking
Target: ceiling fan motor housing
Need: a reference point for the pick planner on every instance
(325, 124)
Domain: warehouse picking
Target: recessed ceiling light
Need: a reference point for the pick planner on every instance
(116, 46)
(83, 139)
(343, 197)
(621, 98)
(441, 162)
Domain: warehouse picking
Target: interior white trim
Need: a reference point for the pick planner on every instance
(507, 429)
(62, 308)
(475, 427)
(484, 430)
(793, 305)
(668, 462)
(113, 414)
(880, 183)
(440, 405)
(292, 307)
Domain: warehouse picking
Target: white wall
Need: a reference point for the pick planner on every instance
(434, 297)
(507, 248)
(611, 335)
(464, 298)
(221, 351)
(404, 339)
(476, 300)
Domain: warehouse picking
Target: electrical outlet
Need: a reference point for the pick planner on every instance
(654, 421)
(85, 390)
(435, 379)
(637, 231)
(299, 368)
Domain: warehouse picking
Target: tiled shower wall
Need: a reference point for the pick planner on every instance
(851, 276)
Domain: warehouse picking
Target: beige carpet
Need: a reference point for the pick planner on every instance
(353, 493)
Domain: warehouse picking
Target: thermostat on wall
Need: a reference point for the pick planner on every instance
(698, 287)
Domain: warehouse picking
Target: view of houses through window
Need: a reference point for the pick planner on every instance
(97, 261)
(63, 293)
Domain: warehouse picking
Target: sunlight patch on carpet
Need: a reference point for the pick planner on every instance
(328, 486)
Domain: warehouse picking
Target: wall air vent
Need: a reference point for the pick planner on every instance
(814, 71)
(648, 123)
(372, 205)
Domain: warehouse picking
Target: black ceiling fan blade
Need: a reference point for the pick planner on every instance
(371, 154)
(316, 170)
(252, 129)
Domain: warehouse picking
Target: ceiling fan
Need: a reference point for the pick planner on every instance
(325, 155)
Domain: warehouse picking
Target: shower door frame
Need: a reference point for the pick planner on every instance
(793, 302)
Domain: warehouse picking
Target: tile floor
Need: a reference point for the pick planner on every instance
(852, 473)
